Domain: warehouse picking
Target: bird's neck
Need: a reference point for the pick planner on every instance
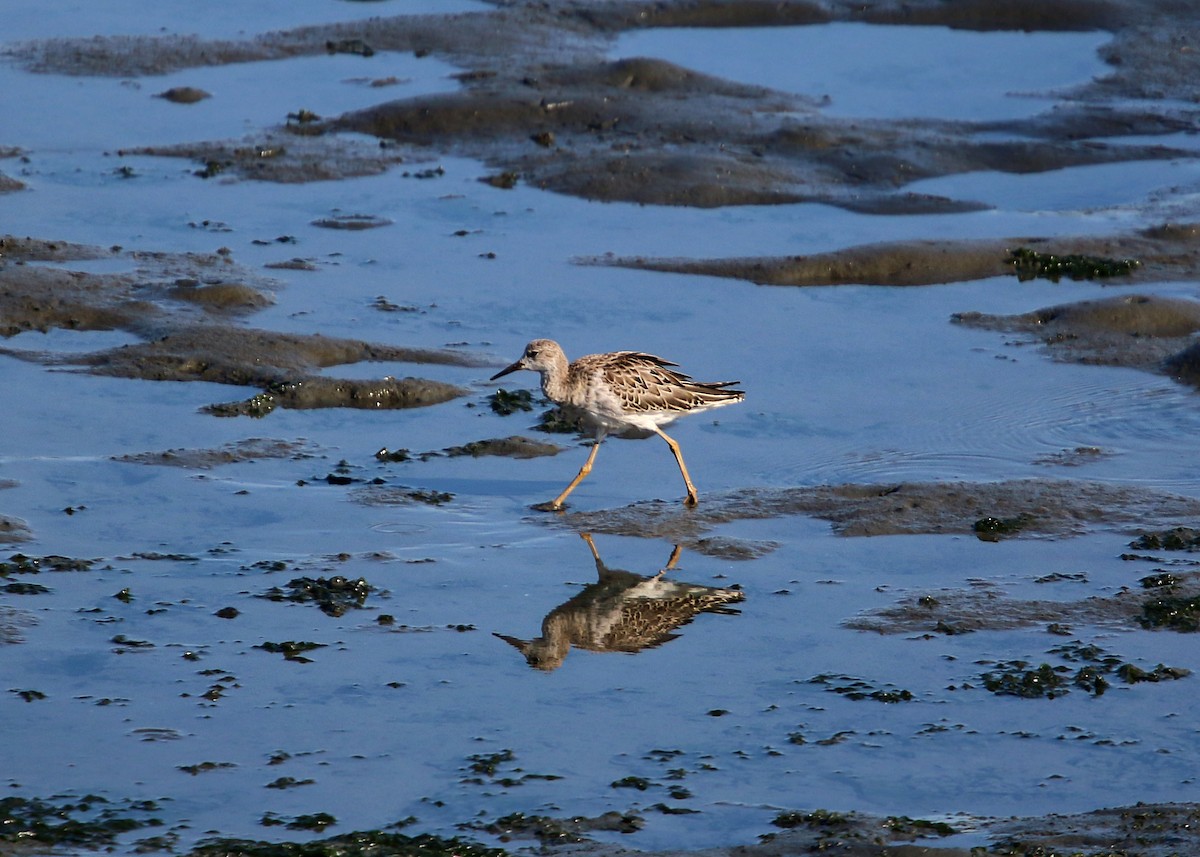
(554, 383)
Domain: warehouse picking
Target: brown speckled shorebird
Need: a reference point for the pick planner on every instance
(621, 392)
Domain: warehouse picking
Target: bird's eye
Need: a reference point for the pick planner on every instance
(531, 354)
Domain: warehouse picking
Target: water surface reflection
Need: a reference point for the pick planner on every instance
(622, 612)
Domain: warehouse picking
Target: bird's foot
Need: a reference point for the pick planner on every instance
(549, 506)
(691, 500)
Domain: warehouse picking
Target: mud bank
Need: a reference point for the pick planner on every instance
(540, 105)
(1144, 332)
(1146, 830)
(183, 306)
(991, 511)
(1157, 254)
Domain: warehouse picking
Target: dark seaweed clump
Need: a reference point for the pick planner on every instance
(19, 563)
(1030, 264)
(334, 595)
(366, 843)
(993, 529)
(90, 821)
(857, 689)
(505, 402)
(1175, 613)
(1013, 679)
(1175, 539)
(1093, 675)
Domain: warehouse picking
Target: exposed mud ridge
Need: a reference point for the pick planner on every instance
(1144, 830)
(1169, 252)
(157, 287)
(181, 306)
(539, 102)
(987, 609)
(1017, 508)
(1155, 334)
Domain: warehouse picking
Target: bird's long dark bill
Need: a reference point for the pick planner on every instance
(503, 372)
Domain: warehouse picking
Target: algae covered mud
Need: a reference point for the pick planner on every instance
(272, 583)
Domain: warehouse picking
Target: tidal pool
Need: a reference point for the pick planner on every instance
(873, 71)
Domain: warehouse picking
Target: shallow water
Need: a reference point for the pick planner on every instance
(844, 384)
(887, 72)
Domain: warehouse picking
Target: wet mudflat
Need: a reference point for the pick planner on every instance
(272, 572)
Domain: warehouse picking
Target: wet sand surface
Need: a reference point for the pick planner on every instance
(248, 375)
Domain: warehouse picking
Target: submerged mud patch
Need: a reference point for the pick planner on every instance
(250, 449)
(180, 305)
(14, 530)
(986, 608)
(159, 288)
(1046, 508)
(1155, 334)
(1147, 830)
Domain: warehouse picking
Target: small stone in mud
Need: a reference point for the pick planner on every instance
(288, 783)
(503, 181)
(302, 117)
(204, 767)
(639, 783)
(393, 455)
(227, 613)
(384, 305)
(350, 46)
(183, 95)
(295, 264)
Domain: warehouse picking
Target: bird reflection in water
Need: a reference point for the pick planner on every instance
(622, 612)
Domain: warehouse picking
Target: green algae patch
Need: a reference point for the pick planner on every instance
(366, 843)
(90, 822)
(1031, 264)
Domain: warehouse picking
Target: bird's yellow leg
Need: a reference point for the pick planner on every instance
(557, 502)
(687, 480)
